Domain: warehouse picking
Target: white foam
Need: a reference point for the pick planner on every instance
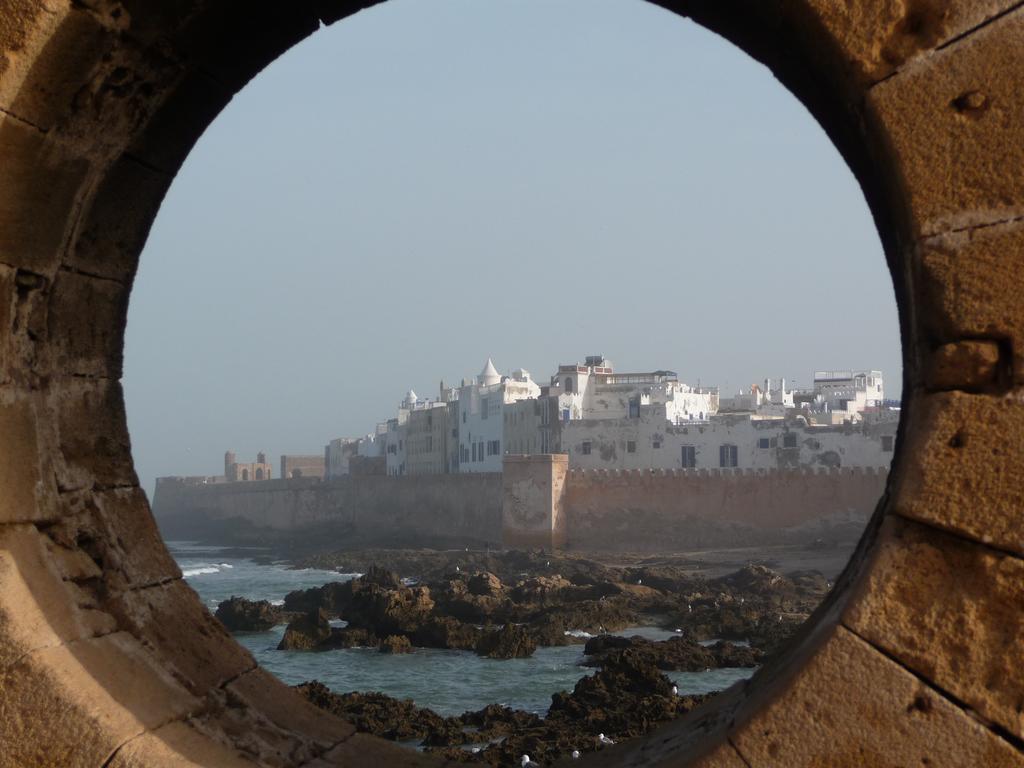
(577, 633)
(277, 602)
(200, 571)
(226, 565)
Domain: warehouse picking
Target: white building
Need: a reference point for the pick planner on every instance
(481, 416)
(595, 391)
(847, 394)
(726, 441)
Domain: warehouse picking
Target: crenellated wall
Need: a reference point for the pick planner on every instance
(689, 509)
(537, 502)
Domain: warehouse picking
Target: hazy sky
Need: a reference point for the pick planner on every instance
(434, 181)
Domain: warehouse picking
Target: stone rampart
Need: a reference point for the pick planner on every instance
(688, 508)
(419, 510)
(538, 503)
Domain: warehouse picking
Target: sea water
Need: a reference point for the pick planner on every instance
(448, 682)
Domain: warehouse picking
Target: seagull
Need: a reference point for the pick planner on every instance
(675, 690)
(689, 607)
(639, 581)
(457, 569)
(575, 754)
(526, 762)
(603, 740)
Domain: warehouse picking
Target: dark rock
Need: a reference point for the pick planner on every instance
(509, 642)
(395, 644)
(446, 632)
(306, 632)
(485, 584)
(238, 614)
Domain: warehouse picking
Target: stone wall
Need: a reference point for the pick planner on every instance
(419, 510)
(693, 509)
(537, 502)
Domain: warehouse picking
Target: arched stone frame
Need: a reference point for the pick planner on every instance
(107, 657)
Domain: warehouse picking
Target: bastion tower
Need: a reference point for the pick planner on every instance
(229, 462)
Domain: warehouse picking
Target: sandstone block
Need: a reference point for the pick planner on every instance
(85, 321)
(93, 434)
(951, 610)
(41, 182)
(76, 703)
(288, 710)
(968, 285)
(963, 453)
(37, 608)
(46, 58)
(20, 475)
(852, 706)
(967, 365)
(177, 745)
(185, 637)
(116, 220)
(956, 124)
(878, 37)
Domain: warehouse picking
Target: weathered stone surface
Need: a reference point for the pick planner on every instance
(952, 611)
(968, 283)
(954, 120)
(964, 449)
(177, 745)
(204, 657)
(967, 365)
(36, 607)
(19, 462)
(894, 718)
(86, 348)
(878, 37)
(78, 702)
(41, 183)
(116, 220)
(93, 433)
(50, 61)
(286, 708)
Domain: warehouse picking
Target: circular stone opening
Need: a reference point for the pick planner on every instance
(99, 109)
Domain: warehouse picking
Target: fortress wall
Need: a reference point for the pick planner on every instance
(538, 503)
(368, 509)
(690, 509)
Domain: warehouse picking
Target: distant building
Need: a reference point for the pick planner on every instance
(234, 472)
(481, 420)
(294, 467)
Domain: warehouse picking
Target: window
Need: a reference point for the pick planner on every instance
(565, 415)
(656, 444)
(568, 385)
(483, 407)
(789, 440)
(887, 443)
(463, 417)
(634, 408)
(474, 451)
(763, 442)
(585, 448)
(689, 458)
(728, 456)
(631, 446)
(494, 447)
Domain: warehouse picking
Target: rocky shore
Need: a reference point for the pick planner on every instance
(505, 605)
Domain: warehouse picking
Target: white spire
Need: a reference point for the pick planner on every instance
(489, 375)
(411, 398)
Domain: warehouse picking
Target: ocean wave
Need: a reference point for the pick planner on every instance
(200, 571)
(277, 602)
(226, 565)
(577, 633)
